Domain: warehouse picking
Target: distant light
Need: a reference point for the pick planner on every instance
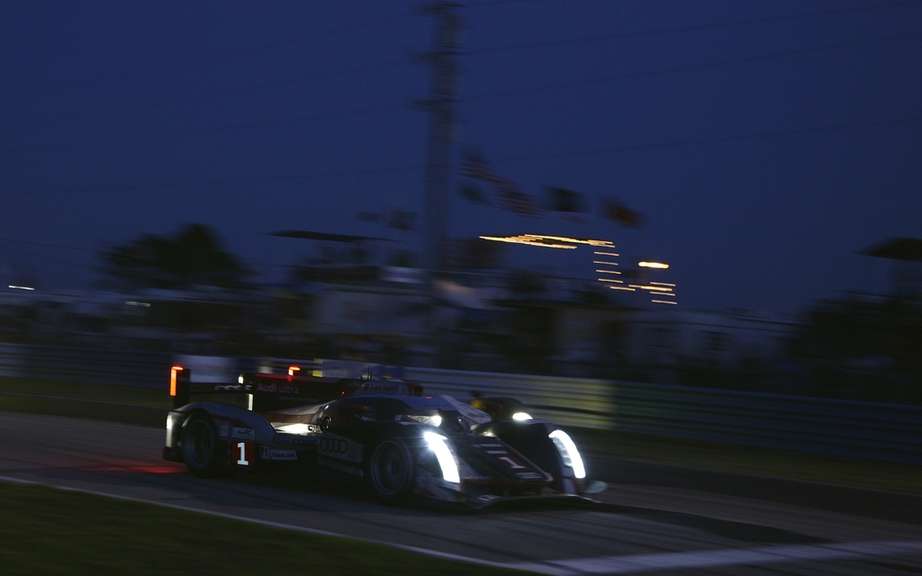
(240, 379)
(616, 281)
(528, 241)
(606, 253)
(521, 416)
(658, 265)
(604, 263)
(607, 271)
(622, 288)
(16, 287)
(662, 283)
(651, 288)
(588, 241)
(663, 301)
(545, 241)
(135, 303)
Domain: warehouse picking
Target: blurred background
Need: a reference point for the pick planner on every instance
(709, 194)
(690, 233)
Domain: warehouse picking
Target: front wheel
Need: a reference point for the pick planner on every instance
(390, 470)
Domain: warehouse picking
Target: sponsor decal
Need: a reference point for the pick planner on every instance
(238, 433)
(287, 388)
(284, 454)
(340, 448)
(231, 388)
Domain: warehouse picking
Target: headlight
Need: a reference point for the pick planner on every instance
(569, 452)
(432, 420)
(438, 444)
(521, 416)
(296, 428)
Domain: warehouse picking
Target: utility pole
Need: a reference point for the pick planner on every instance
(440, 106)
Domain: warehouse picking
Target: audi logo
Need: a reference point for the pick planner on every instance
(334, 445)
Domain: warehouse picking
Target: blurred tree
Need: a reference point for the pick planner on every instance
(402, 258)
(525, 285)
(194, 256)
(862, 348)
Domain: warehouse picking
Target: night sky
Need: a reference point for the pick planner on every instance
(766, 142)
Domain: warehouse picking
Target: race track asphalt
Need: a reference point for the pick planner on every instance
(653, 519)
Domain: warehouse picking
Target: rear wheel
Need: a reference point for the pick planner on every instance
(391, 470)
(201, 450)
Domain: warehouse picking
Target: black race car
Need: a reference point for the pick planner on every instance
(384, 431)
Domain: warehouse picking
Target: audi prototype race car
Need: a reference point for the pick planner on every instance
(386, 432)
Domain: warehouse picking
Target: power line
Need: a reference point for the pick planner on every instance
(765, 134)
(623, 148)
(678, 68)
(368, 109)
(38, 244)
(594, 38)
(492, 3)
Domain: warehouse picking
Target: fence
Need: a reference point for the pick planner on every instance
(832, 427)
(864, 430)
(121, 365)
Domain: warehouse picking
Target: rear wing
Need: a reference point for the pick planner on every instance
(267, 390)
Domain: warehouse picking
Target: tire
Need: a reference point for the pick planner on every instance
(202, 451)
(391, 471)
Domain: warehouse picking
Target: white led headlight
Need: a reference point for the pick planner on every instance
(568, 452)
(521, 416)
(438, 444)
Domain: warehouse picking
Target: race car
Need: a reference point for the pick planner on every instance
(384, 431)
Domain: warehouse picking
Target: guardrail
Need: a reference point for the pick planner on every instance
(848, 429)
(865, 430)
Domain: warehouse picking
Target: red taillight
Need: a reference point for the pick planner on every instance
(174, 375)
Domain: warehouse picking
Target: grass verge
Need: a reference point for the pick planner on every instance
(48, 531)
(749, 461)
(129, 405)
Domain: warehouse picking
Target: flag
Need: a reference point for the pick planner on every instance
(565, 200)
(402, 220)
(365, 216)
(473, 193)
(618, 212)
(474, 166)
(514, 199)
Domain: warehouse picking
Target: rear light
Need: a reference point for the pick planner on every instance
(174, 376)
(292, 370)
